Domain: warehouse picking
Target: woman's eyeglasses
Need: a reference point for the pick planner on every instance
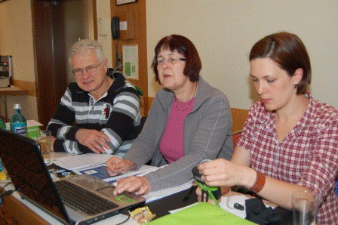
(169, 60)
(89, 69)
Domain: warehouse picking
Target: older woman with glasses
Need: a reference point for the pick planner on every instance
(189, 121)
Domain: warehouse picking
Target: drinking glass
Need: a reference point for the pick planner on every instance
(45, 141)
(303, 208)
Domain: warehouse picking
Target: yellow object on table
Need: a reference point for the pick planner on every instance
(3, 176)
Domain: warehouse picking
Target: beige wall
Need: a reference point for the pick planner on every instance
(222, 30)
(225, 30)
(16, 39)
(104, 35)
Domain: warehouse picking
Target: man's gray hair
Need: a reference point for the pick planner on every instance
(84, 46)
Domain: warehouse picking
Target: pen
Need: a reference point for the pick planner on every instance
(187, 196)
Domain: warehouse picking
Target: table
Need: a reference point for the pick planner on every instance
(21, 212)
(175, 201)
(25, 212)
(10, 91)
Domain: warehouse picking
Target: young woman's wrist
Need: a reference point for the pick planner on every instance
(250, 178)
(259, 183)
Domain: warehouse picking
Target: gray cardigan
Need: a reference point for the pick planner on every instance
(207, 135)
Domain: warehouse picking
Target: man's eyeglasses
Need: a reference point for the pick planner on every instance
(170, 60)
(89, 69)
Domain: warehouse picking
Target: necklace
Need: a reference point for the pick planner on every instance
(177, 103)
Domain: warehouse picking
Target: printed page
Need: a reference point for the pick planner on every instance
(77, 162)
(155, 195)
(101, 172)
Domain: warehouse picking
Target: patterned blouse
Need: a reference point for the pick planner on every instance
(308, 155)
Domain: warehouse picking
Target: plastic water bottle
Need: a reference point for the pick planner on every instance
(2, 124)
(18, 122)
(336, 187)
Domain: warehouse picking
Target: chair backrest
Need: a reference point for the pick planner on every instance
(238, 119)
(235, 138)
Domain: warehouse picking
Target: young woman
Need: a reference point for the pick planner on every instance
(290, 140)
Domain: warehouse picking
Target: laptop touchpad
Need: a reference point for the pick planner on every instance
(107, 191)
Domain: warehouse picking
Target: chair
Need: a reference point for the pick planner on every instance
(235, 138)
(238, 120)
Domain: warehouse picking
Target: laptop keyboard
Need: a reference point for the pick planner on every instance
(82, 199)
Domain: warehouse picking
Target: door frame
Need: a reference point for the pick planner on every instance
(51, 76)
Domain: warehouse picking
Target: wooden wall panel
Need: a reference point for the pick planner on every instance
(135, 16)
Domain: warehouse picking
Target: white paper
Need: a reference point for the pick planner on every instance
(223, 204)
(77, 162)
(33, 123)
(227, 203)
(180, 209)
(155, 195)
(140, 172)
(130, 61)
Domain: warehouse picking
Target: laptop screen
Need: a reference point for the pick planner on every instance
(25, 166)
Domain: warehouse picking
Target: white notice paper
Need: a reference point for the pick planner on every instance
(77, 162)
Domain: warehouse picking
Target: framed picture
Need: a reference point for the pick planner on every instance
(122, 2)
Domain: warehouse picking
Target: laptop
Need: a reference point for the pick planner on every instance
(31, 178)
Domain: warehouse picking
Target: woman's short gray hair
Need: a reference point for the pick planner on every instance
(84, 46)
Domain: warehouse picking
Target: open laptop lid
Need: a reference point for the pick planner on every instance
(29, 174)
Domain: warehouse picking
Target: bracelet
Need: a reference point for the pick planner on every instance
(259, 183)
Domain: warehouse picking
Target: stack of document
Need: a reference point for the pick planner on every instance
(94, 165)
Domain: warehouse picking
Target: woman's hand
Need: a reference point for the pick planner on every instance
(116, 165)
(140, 185)
(221, 172)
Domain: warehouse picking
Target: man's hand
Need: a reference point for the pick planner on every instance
(140, 185)
(93, 139)
(116, 165)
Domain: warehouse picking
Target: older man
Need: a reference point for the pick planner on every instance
(98, 113)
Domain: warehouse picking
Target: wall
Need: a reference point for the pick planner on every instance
(222, 30)
(103, 14)
(225, 30)
(77, 14)
(16, 39)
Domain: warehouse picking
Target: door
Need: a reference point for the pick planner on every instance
(57, 24)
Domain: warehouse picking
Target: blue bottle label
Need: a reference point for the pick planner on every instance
(19, 128)
(336, 188)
